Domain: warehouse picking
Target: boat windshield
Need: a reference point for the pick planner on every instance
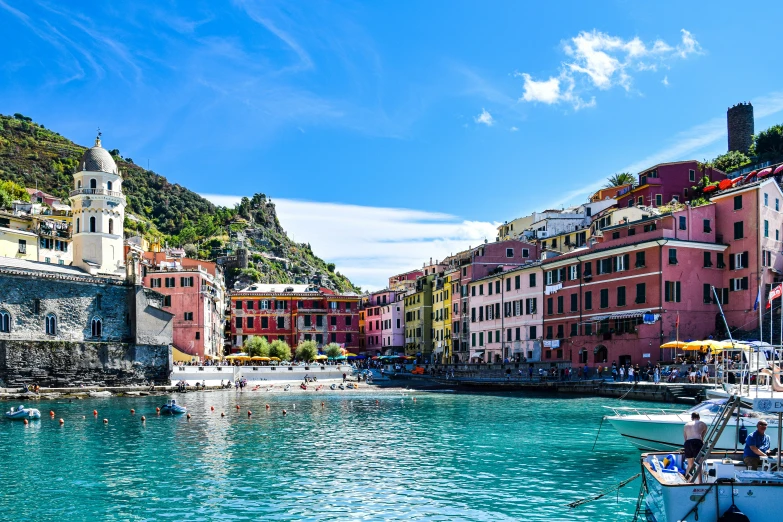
(712, 407)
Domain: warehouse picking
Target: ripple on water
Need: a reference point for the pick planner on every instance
(443, 457)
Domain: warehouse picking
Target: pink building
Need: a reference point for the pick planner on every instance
(405, 282)
(473, 264)
(385, 323)
(505, 315)
(194, 292)
(667, 182)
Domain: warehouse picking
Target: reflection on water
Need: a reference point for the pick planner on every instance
(369, 456)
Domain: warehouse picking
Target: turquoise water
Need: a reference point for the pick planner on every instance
(442, 457)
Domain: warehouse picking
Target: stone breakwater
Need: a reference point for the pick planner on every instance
(58, 364)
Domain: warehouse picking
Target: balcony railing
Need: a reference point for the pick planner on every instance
(96, 192)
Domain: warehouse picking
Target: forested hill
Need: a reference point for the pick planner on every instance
(32, 155)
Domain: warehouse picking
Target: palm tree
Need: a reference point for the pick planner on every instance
(623, 178)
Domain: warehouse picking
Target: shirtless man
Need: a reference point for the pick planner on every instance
(693, 433)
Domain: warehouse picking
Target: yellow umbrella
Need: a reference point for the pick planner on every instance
(242, 357)
(232, 357)
(702, 345)
(259, 358)
(727, 345)
(349, 354)
(274, 358)
(321, 357)
(674, 344)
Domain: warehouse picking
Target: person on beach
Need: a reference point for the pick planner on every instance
(756, 446)
(693, 433)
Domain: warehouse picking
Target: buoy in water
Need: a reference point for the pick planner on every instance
(267, 406)
(377, 401)
(237, 406)
(285, 412)
(143, 418)
(157, 409)
(249, 413)
(188, 416)
(106, 421)
(95, 412)
(294, 406)
(322, 404)
(133, 412)
(51, 413)
(62, 422)
(211, 408)
(26, 422)
(222, 414)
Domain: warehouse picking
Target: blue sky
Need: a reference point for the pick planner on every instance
(389, 133)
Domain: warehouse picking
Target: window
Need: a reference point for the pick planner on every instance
(166, 300)
(109, 185)
(509, 252)
(766, 227)
(264, 305)
(550, 306)
(640, 200)
(51, 324)
(251, 322)
(682, 223)
(588, 271)
(615, 235)
(22, 246)
(348, 320)
(473, 291)
(620, 296)
(508, 285)
(481, 338)
(550, 277)
(574, 329)
(604, 298)
(630, 202)
(348, 337)
(707, 293)
(171, 283)
(589, 329)
(92, 224)
(777, 204)
(533, 332)
(530, 305)
(739, 283)
(658, 200)
(155, 282)
(676, 198)
(707, 227)
(548, 332)
(672, 291)
(481, 289)
(77, 225)
(631, 231)
(111, 226)
(517, 282)
(605, 266)
(738, 202)
(560, 331)
(621, 263)
(333, 337)
(766, 199)
(574, 302)
(641, 293)
(560, 304)
(691, 175)
(707, 259)
(525, 252)
(280, 322)
(720, 262)
(639, 260)
(497, 287)
(5, 321)
(766, 258)
(573, 272)
(185, 281)
(308, 320)
(738, 261)
(489, 288)
(672, 256)
(588, 300)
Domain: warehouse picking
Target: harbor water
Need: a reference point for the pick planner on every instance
(361, 456)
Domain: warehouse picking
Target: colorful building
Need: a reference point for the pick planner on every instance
(441, 316)
(418, 319)
(404, 282)
(385, 323)
(666, 182)
(194, 292)
(294, 313)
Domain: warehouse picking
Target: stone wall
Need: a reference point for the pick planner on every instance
(740, 126)
(63, 364)
(152, 325)
(75, 303)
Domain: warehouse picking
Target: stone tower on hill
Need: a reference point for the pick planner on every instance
(739, 120)
(99, 214)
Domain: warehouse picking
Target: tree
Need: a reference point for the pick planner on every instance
(769, 143)
(330, 267)
(191, 251)
(333, 350)
(306, 351)
(623, 178)
(14, 190)
(280, 349)
(732, 160)
(257, 346)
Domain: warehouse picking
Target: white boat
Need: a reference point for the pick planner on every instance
(22, 413)
(726, 485)
(651, 429)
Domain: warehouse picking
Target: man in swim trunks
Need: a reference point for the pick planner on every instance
(693, 433)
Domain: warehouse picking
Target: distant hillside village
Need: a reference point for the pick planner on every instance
(83, 302)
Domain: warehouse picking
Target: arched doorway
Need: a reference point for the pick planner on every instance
(600, 354)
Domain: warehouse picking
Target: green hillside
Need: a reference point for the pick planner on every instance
(32, 155)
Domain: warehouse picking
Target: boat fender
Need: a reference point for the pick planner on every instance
(742, 435)
(669, 462)
(733, 514)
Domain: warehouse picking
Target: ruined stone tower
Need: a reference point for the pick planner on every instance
(739, 120)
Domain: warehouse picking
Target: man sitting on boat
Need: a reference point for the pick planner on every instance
(756, 446)
(693, 432)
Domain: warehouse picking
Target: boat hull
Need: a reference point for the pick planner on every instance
(173, 410)
(664, 432)
(27, 413)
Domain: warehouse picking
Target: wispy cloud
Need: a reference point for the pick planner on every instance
(484, 118)
(596, 60)
(389, 240)
(665, 81)
(513, 129)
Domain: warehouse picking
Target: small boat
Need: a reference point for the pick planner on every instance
(22, 413)
(172, 408)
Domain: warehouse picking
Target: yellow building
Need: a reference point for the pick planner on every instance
(442, 316)
(17, 237)
(418, 319)
(567, 241)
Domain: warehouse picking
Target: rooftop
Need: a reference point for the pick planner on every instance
(35, 268)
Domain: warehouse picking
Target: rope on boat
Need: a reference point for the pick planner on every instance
(640, 498)
(629, 391)
(603, 493)
(597, 434)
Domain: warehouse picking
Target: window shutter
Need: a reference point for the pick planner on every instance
(627, 261)
(614, 264)
(561, 274)
(578, 271)
(677, 291)
(731, 262)
(744, 283)
(667, 292)
(745, 260)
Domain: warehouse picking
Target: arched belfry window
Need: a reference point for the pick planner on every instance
(51, 324)
(79, 184)
(96, 327)
(5, 321)
(111, 226)
(93, 183)
(77, 225)
(92, 224)
(108, 185)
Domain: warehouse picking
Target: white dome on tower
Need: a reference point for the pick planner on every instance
(97, 159)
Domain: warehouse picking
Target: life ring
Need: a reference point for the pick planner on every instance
(333, 387)
(287, 387)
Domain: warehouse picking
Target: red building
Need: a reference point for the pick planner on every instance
(294, 313)
(194, 291)
(667, 182)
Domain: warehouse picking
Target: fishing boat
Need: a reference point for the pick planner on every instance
(22, 413)
(172, 408)
(656, 429)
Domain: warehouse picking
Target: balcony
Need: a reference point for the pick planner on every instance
(96, 192)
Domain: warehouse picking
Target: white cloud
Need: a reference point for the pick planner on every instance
(369, 244)
(513, 129)
(485, 118)
(665, 81)
(600, 61)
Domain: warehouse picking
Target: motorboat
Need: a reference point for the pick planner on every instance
(656, 429)
(172, 408)
(726, 487)
(22, 413)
